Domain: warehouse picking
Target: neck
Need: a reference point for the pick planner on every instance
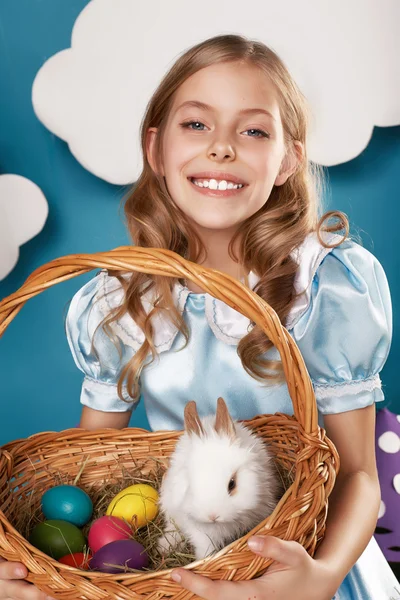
(216, 244)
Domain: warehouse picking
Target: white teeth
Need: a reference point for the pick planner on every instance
(218, 185)
(213, 184)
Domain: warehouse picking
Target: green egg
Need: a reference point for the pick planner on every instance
(57, 538)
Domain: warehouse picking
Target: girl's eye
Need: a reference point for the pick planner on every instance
(187, 125)
(263, 133)
(259, 131)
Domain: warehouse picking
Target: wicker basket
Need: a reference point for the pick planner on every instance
(297, 442)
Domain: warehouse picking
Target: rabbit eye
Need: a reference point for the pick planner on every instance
(232, 485)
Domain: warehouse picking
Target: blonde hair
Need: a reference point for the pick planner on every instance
(266, 239)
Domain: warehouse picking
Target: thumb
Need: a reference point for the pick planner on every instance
(199, 585)
(203, 587)
(287, 553)
(12, 570)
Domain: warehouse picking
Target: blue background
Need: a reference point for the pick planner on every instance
(39, 382)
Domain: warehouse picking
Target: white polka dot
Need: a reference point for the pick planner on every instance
(398, 418)
(396, 483)
(382, 509)
(389, 442)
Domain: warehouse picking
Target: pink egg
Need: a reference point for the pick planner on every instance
(107, 529)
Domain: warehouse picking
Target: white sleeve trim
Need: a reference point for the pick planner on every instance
(103, 395)
(325, 391)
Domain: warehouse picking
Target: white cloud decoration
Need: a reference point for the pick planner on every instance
(23, 213)
(344, 55)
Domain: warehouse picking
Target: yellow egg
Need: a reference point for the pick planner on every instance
(136, 503)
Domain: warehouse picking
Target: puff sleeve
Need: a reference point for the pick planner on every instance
(345, 333)
(99, 388)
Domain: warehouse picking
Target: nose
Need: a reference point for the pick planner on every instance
(221, 155)
(222, 151)
(213, 517)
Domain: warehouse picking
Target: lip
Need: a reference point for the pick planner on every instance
(217, 175)
(216, 193)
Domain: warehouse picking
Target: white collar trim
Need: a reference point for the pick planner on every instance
(227, 324)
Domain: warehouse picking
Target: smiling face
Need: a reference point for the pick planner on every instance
(214, 127)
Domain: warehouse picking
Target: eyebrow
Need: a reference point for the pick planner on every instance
(204, 106)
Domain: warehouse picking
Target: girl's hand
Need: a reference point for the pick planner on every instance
(294, 575)
(11, 586)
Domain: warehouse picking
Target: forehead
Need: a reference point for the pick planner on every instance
(229, 88)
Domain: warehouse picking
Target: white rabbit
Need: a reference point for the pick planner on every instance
(221, 482)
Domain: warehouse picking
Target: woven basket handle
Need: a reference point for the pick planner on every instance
(219, 285)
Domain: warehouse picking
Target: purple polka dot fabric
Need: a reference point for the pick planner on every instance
(387, 446)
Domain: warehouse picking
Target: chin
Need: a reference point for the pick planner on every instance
(216, 224)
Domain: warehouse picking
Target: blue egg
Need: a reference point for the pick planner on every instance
(68, 503)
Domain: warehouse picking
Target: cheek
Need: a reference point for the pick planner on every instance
(248, 491)
(264, 157)
(268, 167)
(178, 152)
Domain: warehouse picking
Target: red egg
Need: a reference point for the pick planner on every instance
(108, 529)
(78, 560)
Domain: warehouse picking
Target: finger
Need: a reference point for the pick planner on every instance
(12, 570)
(22, 590)
(285, 552)
(206, 588)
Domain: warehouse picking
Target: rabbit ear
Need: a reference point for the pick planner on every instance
(192, 419)
(223, 420)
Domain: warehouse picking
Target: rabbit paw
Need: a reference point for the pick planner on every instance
(169, 542)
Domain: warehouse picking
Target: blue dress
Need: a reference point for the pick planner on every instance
(342, 324)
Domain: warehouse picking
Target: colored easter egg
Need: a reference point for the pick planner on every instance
(68, 503)
(116, 556)
(57, 538)
(107, 529)
(79, 560)
(137, 504)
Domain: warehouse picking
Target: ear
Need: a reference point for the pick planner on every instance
(151, 138)
(293, 157)
(223, 420)
(192, 419)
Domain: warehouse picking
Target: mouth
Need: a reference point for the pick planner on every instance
(210, 523)
(206, 521)
(217, 193)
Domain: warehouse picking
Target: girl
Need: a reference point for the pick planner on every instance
(227, 183)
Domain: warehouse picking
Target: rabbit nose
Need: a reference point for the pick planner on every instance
(213, 517)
